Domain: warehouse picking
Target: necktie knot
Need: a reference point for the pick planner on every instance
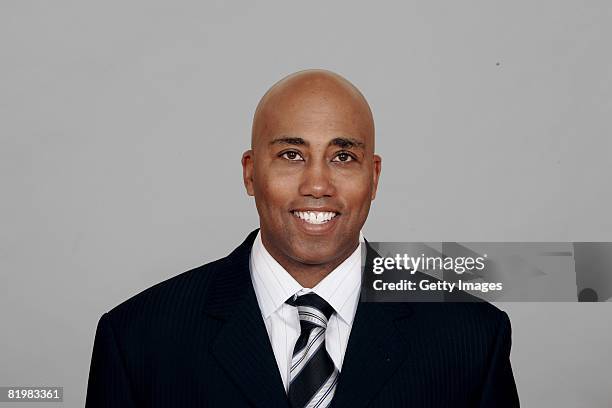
(312, 309)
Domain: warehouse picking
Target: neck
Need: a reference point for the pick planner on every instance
(308, 275)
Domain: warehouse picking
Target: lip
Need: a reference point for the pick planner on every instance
(318, 209)
(316, 229)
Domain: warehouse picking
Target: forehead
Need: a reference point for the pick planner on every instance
(317, 112)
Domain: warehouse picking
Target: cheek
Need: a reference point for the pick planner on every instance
(275, 193)
(356, 191)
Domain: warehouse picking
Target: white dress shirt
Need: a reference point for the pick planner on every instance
(274, 285)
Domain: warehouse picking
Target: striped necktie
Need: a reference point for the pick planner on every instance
(313, 375)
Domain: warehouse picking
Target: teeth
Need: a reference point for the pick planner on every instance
(315, 217)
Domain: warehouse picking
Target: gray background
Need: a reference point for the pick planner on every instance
(122, 126)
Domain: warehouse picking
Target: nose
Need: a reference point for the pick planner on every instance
(317, 180)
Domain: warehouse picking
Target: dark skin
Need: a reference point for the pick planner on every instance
(312, 150)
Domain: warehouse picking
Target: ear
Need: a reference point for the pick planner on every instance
(247, 171)
(377, 166)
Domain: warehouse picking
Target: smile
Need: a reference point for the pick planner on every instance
(315, 217)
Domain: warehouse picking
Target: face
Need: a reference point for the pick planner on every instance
(313, 173)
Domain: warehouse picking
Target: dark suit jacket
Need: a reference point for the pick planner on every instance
(199, 340)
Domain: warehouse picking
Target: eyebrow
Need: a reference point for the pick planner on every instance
(347, 143)
(289, 141)
(343, 142)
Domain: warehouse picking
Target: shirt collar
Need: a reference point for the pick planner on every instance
(274, 285)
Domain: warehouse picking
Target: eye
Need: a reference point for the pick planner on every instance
(343, 157)
(291, 155)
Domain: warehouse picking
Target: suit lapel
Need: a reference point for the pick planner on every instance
(375, 349)
(242, 346)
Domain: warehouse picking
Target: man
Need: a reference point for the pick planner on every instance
(278, 322)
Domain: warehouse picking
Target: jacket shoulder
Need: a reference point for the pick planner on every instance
(178, 294)
(471, 319)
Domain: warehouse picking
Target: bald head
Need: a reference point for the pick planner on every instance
(311, 98)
